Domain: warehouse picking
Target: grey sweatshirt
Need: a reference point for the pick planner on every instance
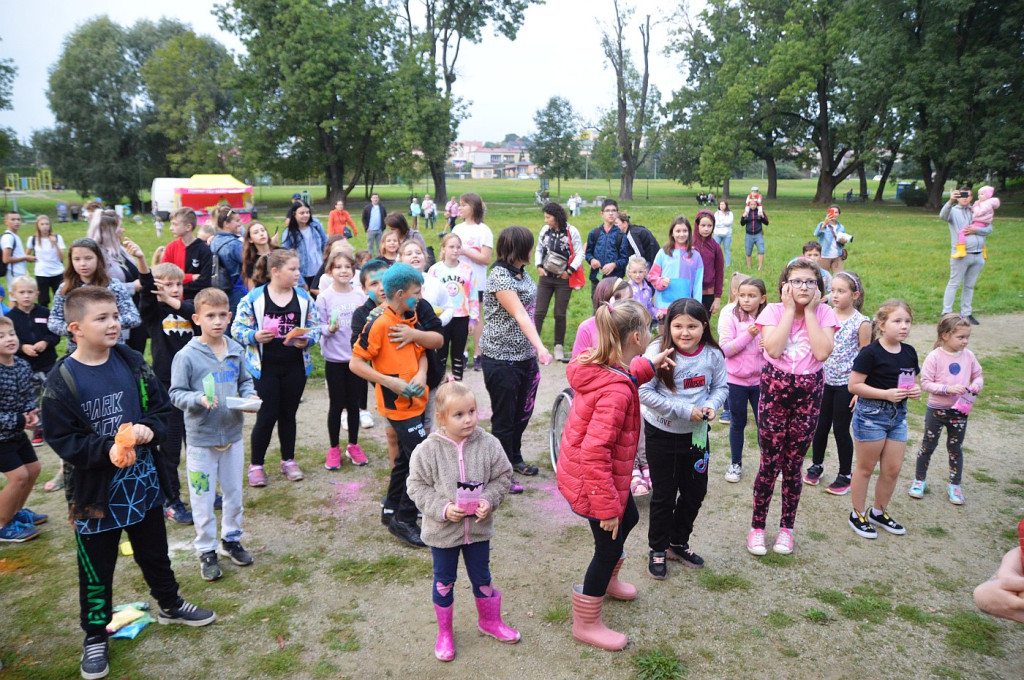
(218, 426)
(700, 382)
(960, 216)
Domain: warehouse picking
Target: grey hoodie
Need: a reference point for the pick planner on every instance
(700, 382)
(218, 426)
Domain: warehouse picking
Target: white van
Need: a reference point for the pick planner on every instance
(163, 197)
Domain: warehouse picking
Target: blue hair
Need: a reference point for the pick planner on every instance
(399, 277)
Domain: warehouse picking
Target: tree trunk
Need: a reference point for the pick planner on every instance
(862, 175)
(938, 185)
(826, 187)
(725, 189)
(626, 185)
(440, 182)
(772, 171)
(886, 170)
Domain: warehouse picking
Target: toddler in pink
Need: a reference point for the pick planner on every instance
(983, 211)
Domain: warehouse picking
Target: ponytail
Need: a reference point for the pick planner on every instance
(615, 322)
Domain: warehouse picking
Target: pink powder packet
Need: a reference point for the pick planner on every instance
(906, 380)
(965, 402)
(272, 324)
(467, 496)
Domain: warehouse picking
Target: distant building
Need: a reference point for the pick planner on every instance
(508, 162)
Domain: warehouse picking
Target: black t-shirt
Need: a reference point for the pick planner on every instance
(883, 368)
(286, 318)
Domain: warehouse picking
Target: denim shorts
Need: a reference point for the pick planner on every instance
(877, 419)
(751, 240)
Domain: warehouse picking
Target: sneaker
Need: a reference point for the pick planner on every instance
(333, 461)
(734, 474)
(526, 469)
(187, 614)
(636, 484)
(859, 523)
(16, 532)
(974, 322)
(515, 487)
(257, 477)
(477, 366)
(683, 554)
(559, 353)
(290, 469)
(656, 567)
(209, 569)
(784, 541)
(234, 551)
(365, 420)
(37, 437)
(218, 502)
(883, 520)
(408, 532)
(26, 516)
(178, 512)
(646, 472)
(725, 418)
(917, 488)
(956, 495)
(386, 515)
(813, 475)
(356, 455)
(95, 662)
(755, 542)
(840, 487)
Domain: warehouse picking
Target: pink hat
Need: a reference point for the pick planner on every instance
(986, 192)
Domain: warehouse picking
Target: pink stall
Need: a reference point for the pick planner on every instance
(203, 192)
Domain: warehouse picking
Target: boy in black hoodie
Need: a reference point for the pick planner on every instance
(87, 398)
(38, 342)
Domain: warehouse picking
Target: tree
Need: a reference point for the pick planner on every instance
(189, 82)
(606, 154)
(8, 71)
(555, 146)
(637, 101)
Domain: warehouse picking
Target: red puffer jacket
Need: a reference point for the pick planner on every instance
(598, 445)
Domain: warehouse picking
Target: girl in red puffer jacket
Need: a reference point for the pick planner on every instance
(596, 456)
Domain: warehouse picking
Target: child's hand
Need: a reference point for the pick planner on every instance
(31, 419)
(812, 304)
(663, 283)
(333, 326)
(133, 249)
(696, 415)
(301, 341)
(454, 513)
(401, 335)
(115, 457)
(787, 297)
(544, 356)
(955, 389)
(207, 403)
(709, 413)
(753, 329)
(760, 342)
(664, 359)
(896, 395)
(914, 392)
(29, 350)
(263, 336)
(611, 525)
(661, 314)
(483, 509)
(40, 346)
(143, 435)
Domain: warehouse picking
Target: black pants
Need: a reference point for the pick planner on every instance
(411, 434)
(607, 551)
(97, 556)
(836, 415)
(169, 457)
(955, 424)
(343, 391)
(455, 335)
(512, 386)
(679, 474)
(47, 284)
(707, 299)
(280, 386)
(546, 287)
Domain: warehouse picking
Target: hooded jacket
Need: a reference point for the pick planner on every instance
(249, 319)
(599, 441)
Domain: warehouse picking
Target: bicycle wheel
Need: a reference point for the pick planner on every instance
(559, 414)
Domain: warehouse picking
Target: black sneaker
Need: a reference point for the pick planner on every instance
(840, 487)
(477, 365)
(234, 551)
(683, 554)
(813, 475)
(407, 532)
(860, 524)
(656, 566)
(209, 569)
(218, 502)
(974, 322)
(95, 663)
(187, 614)
(886, 522)
(386, 515)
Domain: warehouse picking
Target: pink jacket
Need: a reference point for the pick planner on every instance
(937, 372)
(743, 356)
(985, 207)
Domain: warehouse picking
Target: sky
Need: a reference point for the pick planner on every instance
(504, 83)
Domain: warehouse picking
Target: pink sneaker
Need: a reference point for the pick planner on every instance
(355, 454)
(333, 461)
(256, 476)
(290, 469)
(784, 542)
(755, 542)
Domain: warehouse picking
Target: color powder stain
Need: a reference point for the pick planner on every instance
(346, 493)
(553, 502)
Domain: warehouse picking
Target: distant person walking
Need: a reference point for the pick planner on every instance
(373, 223)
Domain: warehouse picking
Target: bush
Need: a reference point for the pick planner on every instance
(915, 198)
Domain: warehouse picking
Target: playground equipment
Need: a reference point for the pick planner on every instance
(43, 181)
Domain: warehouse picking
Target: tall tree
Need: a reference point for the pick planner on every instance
(606, 155)
(637, 101)
(555, 146)
(8, 71)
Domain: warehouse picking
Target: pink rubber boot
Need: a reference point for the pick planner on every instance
(489, 621)
(588, 625)
(617, 590)
(444, 648)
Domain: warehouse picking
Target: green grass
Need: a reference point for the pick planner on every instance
(657, 664)
(969, 632)
(720, 583)
(912, 614)
(389, 568)
(779, 619)
(936, 532)
(866, 603)
(981, 475)
(560, 613)
(1004, 391)
(817, 616)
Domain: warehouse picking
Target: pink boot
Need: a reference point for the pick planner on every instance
(444, 648)
(617, 590)
(489, 621)
(588, 626)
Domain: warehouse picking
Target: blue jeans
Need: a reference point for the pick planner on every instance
(373, 241)
(876, 419)
(477, 557)
(726, 243)
(739, 396)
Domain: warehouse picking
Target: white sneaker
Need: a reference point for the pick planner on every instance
(344, 420)
(559, 353)
(734, 474)
(365, 419)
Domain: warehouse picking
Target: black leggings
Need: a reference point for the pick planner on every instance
(280, 386)
(679, 480)
(455, 335)
(47, 284)
(343, 390)
(607, 551)
(836, 415)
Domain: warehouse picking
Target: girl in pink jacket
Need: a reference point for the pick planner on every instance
(983, 211)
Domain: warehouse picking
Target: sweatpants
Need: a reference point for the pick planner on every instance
(835, 415)
(739, 397)
(456, 333)
(679, 475)
(559, 288)
(607, 550)
(512, 386)
(786, 418)
(477, 557)
(343, 391)
(962, 271)
(206, 468)
(935, 420)
(97, 556)
(170, 452)
(280, 386)
(411, 434)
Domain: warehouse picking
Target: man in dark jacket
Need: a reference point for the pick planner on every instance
(373, 223)
(607, 251)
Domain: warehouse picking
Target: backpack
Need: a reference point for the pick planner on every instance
(220, 277)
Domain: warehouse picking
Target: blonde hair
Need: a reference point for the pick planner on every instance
(636, 259)
(206, 231)
(450, 236)
(168, 271)
(947, 324)
(447, 394)
(211, 297)
(24, 281)
(885, 311)
(5, 322)
(735, 281)
(615, 322)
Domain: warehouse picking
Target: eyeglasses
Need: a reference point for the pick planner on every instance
(800, 283)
